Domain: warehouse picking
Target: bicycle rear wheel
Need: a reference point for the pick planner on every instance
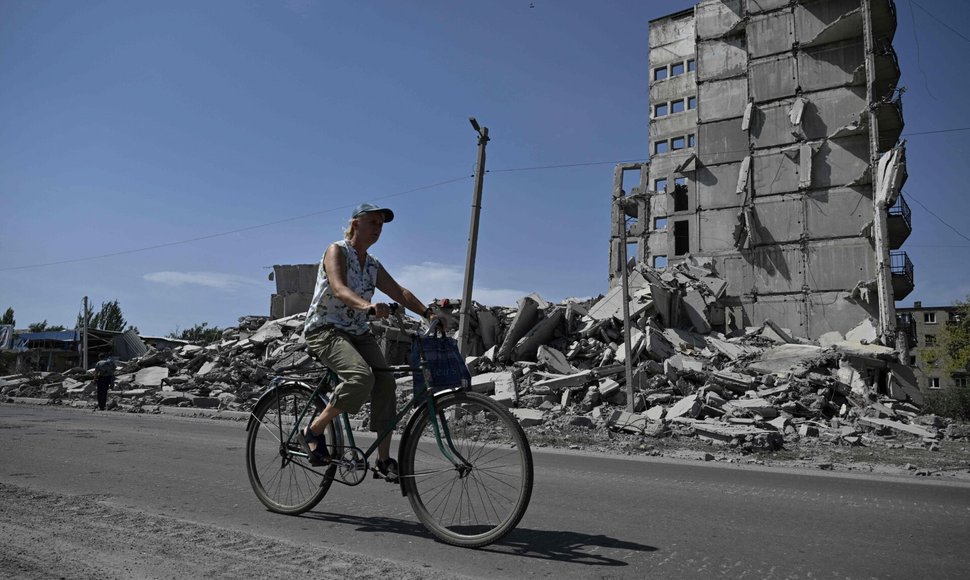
(477, 506)
(279, 471)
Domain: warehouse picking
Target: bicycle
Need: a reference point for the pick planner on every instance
(469, 489)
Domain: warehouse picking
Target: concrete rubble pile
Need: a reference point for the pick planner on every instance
(562, 367)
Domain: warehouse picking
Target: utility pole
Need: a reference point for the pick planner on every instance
(84, 333)
(464, 313)
(625, 294)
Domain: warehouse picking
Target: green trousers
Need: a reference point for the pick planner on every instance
(353, 357)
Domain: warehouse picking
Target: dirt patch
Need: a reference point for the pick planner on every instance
(42, 535)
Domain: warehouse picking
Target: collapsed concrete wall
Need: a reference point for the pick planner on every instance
(294, 289)
(760, 157)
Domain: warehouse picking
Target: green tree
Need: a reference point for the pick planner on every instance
(108, 318)
(44, 327)
(200, 333)
(953, 342)
(8, 317)
(37, 326)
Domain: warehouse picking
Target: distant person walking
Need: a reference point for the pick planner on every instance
(104, 377)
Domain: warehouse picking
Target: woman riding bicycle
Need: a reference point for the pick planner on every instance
(337, 332)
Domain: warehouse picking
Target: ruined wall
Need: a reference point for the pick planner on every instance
(772, 182)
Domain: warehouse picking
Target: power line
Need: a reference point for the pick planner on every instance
(226, 233)
(942, 221)
(421, 188)
(538, 167)
(933, 16)
(919, 61)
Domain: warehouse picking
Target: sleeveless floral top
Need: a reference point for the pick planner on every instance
(328, 310)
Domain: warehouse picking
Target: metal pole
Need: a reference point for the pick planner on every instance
(887, 307)
(625, 291)
(84, 334)
(464, 313)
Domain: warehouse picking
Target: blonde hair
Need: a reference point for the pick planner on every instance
(349, 232)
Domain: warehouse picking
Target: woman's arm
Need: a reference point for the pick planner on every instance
(335, 264)
(388, 285)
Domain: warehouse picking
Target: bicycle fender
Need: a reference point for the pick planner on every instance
(409, 429)
(271, 392)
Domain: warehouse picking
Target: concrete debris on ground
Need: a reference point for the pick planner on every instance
(562, 367)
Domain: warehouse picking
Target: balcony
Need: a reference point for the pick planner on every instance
(907, 324)
(900, 222)
(902, 274)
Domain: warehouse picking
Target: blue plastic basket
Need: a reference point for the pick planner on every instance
(447, 366)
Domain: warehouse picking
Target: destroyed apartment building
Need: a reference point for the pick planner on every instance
(774, 160)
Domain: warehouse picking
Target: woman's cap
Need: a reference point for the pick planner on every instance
(369, 207)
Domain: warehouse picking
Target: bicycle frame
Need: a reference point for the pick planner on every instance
(439, 424)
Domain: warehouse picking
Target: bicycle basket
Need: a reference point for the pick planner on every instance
(448, 370)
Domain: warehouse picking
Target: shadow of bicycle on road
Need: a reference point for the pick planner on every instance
(560, 546)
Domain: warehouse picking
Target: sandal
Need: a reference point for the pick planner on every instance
(388, 470)
(319, 455)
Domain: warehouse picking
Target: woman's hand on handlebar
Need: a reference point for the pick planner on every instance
(382, 309)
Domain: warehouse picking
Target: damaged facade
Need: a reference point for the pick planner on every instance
(775, 161)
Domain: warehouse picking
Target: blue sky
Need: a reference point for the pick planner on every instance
(130, 125)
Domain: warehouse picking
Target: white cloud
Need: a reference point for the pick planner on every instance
(430, 280)
(219, 280)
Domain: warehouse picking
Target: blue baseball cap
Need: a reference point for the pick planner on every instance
(369, 207)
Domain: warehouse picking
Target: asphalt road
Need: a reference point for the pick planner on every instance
(590, 516)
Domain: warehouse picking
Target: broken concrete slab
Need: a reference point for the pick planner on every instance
(687, 406)
(151, 376)
(629, 422)
(776, 333)
(554, 360)
(525, 318)
(528, 417)
(786, 358)
(564, 382)
(527, 346)
(864, 333)
(903, 384)
(900, 426)
(270, 331)
(830, 339)
(696, 309)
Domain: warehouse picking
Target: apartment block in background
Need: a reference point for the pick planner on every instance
(775, 157)
(923, 325)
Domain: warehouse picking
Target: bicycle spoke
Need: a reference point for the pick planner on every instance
(477, 503)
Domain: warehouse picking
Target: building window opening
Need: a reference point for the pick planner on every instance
(929, 340)
(660, 185)
(929, 317)
(677, 143)
(680, 196)
(934, 382)
(660, 73)
(660, 223)
(677, 69)
(961, 382)
(691, 102)
(660, 110)
(912, 360)
(691, 140)
(660, 147)
(660, 262)
(691, 65)
(681, 237)
(677, 106)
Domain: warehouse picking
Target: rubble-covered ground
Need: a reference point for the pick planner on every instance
(759, 395)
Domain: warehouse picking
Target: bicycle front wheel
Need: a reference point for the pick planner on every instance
(479, 503)
(279, 471)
